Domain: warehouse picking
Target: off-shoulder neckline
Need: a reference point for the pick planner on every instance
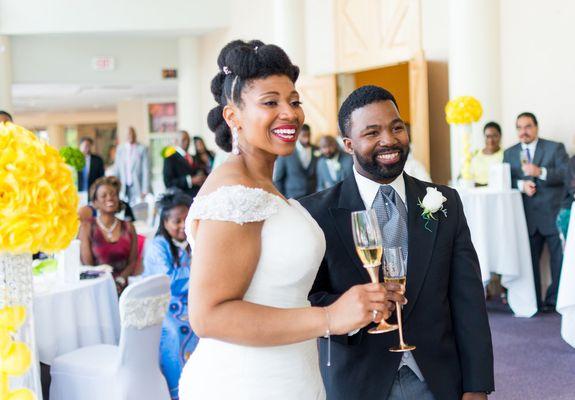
(256, 189)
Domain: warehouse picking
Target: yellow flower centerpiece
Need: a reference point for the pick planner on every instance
(15, 357)
(38, 212)
(462, 111)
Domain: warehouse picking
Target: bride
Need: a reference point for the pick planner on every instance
(256, 254)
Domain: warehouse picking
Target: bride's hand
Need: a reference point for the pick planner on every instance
(354, 309)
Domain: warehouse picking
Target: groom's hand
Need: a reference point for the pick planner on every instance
(474, 396)
(394, 294)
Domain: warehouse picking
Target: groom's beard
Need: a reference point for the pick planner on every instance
(380, 171)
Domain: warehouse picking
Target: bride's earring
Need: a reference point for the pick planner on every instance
(235, 141)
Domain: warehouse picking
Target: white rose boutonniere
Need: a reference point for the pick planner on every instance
(432, 203)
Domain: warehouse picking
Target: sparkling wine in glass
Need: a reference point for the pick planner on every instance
(394, 270)
(368, 244)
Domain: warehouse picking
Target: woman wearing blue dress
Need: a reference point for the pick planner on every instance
(169, 254)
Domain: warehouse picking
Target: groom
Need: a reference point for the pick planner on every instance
(445, 317)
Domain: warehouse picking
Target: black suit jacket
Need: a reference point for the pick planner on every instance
(96, 171)
(542, 208)
(445, 316)
(292, 179)
(176, 170)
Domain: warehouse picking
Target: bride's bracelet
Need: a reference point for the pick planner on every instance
(328, 336)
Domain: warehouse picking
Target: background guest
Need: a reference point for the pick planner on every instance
(94, 167)
(564, 215)
(538, 171)
(132, 167)
(491, 154)
(105, 239)
(413, 167)
(180, 170)
(169, 254)
(294, 175)
(5, 116)
(334, 165)
(203, 156)
(110, 169)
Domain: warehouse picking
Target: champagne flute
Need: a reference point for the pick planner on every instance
(369, 247)
(523, 158)
(394, 270)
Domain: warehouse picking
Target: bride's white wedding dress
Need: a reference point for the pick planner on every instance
(292, 247)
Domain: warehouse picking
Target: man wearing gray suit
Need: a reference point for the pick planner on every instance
(334, 165)
(294, 175)
(132, 168)
(538, 170)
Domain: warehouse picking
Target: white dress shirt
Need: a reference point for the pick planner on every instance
(368, 191)
(183, 153)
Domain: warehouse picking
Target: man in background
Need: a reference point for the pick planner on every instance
(294, 175)
(5, 116)
(414, 167)
(132, 167)
(334, 165)
(538, 170)
(94, 167)
(180, 171)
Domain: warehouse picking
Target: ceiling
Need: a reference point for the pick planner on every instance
(34, 97)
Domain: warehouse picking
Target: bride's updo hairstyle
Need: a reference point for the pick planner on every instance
(239, 63)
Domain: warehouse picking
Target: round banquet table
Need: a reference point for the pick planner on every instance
(73, 315)
(566, 295)
(496, 219)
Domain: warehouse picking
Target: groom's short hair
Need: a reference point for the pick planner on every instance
(359, 98)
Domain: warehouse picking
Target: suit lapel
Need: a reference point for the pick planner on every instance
(349, 200)
(539, 152)
(420, 242)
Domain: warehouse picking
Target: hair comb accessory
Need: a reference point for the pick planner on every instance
(256, 49)
(226, 70)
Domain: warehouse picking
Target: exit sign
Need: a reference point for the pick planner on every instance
(103, 63)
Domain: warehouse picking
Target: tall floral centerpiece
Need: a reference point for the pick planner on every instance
(461, 112)
(38, 212)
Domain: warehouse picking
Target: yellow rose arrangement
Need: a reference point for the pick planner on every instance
(38, 199)
(463, 110)
(15, 357)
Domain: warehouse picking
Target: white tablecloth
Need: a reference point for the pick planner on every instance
(498, 228)
(70, 316)
(566, 296)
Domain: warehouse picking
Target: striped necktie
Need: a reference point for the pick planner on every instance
(392, 217)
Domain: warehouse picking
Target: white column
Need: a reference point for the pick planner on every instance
(5, 74)
(474, 63)
(289, 29)
(189, 86)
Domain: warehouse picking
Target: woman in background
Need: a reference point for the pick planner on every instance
(105, 239)
(491, 154)
(203, 156)
(169, 254)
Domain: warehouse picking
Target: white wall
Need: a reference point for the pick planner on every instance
(435, 29)
(247, 22)
(68, 59)
(538, 67)
(72, 16)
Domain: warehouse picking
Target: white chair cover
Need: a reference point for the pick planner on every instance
(130, 370)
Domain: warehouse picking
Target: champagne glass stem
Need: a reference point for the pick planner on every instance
(399, 323)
